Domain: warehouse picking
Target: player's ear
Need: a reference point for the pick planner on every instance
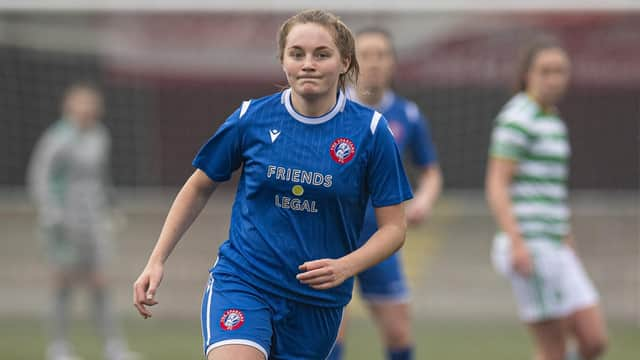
(345, 65)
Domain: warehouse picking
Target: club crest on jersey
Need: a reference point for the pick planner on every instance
(342, 150)
(232, 319)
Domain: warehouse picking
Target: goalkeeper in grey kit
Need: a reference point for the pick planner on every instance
(68, 179)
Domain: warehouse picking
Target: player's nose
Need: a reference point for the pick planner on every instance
(309, 63)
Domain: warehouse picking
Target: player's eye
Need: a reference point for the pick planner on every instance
(323, 55)
(296, 54)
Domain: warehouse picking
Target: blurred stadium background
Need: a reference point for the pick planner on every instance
(172, 71)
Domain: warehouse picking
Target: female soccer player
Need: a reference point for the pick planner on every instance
(384, 285)
(311, 159)
(527, 191)
(68, 178)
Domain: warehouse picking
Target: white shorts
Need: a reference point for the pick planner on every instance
(558, 287)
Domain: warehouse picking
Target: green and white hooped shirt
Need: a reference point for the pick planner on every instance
(538, 141)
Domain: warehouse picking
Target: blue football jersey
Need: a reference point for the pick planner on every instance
(411, 132)
(409, 127)
(303, 190)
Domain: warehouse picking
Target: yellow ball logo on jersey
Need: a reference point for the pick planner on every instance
(297, 190)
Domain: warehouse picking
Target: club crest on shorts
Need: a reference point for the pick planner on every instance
(232, 319)
(342, 150)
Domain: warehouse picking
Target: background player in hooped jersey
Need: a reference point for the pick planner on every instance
(527, 191)
(384, 285)
(311, 160)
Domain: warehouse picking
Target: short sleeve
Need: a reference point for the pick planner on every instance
(221, 155)
(510, 139)
(423, 152)
(387, 182)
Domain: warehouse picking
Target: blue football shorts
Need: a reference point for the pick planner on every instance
(236, 312)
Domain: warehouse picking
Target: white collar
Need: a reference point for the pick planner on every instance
(339, 106)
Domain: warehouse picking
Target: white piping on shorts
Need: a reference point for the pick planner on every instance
(253, 344)
(209, 310)
(336, 340)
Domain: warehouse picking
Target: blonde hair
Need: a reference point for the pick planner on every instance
(342, 36)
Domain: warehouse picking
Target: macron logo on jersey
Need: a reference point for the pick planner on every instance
(274, 133)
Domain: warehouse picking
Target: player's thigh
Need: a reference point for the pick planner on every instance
(90, 254)
(342, 331)
(550, 338)
(384, 282)
(234, 313)
(394, 321)
(307, 332)
(97, 278)
(235, 352)
(588, 327)
(390, 313)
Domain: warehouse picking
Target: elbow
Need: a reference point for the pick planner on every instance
(401, 233)
(433, 176)
(491, 199)
(401, 242)
(488, 193)
(496, 194)
(491, 185)
(437, 175)
(201, 184)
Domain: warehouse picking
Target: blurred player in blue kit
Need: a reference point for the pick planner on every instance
(384, 286)
(311, 161)
(68, 178)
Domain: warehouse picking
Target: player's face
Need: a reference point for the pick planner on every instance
(312, 61)
(83, 108)
(548, 76)
(376, 59)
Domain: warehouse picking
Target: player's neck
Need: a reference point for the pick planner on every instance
(370, 97)
(313, 106)
(546, 108)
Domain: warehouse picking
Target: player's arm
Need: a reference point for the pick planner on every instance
(41, 170)
(215, 162)
(390, 236)
(428, 191)
(327, 273)
(185, 209)
(424, 155)
(500, 173)
(107, 178)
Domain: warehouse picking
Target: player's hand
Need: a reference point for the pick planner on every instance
(521, 259)
(570, 241)
(144, 289)
(417, 212)
(323, 274)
